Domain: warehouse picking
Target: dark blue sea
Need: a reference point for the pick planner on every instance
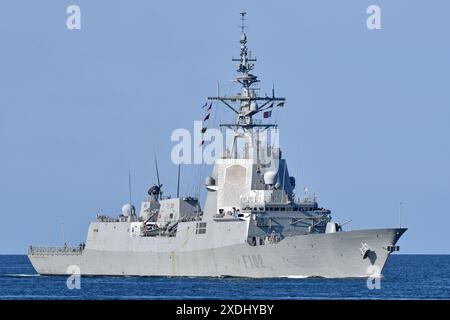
(405, 277)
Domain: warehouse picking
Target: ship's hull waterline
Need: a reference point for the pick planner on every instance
(333, 255)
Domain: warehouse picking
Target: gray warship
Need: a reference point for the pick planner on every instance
(251, 225)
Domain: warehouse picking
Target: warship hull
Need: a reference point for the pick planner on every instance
(333, 255)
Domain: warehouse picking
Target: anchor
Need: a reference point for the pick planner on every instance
(365, 250)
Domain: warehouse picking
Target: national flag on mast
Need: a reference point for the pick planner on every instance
(280, 104)
(204, 130)
(207, 117)
(267, 114)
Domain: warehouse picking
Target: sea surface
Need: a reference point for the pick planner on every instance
(405, 277)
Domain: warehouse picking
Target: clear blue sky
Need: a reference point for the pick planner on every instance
(366, 122)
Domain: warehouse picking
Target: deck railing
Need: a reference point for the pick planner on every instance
(64, 250)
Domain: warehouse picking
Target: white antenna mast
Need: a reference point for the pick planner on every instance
(178, 181)
(62, 233)
(129, 184)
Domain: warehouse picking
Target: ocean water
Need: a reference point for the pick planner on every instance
(405, 277)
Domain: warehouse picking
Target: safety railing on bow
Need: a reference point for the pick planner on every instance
(63, 250)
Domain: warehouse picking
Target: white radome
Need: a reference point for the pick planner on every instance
(269, 177)
(127, 209)
(253, 106)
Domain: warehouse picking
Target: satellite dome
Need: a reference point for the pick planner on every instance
(269, 177)
(128, 210)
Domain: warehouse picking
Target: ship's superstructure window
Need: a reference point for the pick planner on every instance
(201, 228)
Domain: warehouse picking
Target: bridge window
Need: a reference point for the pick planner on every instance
(201, 228)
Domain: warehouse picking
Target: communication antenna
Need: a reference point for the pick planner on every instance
(157, 172)
(129, 184)
(157, 177)
(243, 13)
(178, 181)
(401, 213)
(62, 233)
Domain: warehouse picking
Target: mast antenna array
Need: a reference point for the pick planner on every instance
(129, 185)
(243, 13)
(245, 104)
